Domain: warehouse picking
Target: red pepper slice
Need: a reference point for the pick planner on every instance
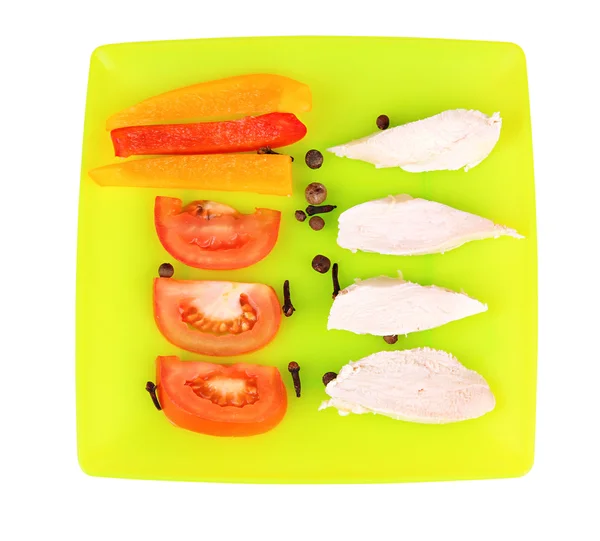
(249, 133)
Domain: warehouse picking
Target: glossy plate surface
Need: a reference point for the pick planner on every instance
(353, 80)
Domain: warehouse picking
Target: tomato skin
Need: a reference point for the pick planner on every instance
(257, 248)
(186, 410)
(169, 293)
(250, 133)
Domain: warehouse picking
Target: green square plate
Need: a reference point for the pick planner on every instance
(353, 80)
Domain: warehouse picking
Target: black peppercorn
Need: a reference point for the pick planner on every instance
(383, 122)
(314, 159)
(321, 263)
(328, 376)
(166, 270)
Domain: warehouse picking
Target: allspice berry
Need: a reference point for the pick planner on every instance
(317, 223)
(315, 193)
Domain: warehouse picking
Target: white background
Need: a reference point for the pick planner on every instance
(45, 49)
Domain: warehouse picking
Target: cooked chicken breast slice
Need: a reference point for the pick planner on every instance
(419, 385)
(401, 225)
(447, 141)
(385, 306)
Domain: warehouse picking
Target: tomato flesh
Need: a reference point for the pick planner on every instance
(210, 235)
(233, 400)
(216, 318)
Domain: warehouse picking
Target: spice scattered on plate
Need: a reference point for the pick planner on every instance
(321, 263)
(294, 369)
(314, 159)
(300, 215)
(336, 282)
(288, 307)
(151, 388)
(317, 223)
(266, 150)
(322, 209)
(328, 376)
(166, 270)
(383, 122)
(391, 338)
(315, 193)
(269, 150)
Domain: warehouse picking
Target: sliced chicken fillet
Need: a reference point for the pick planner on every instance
(401, 225)
(447, 141)
(419, 385)
(385, 306)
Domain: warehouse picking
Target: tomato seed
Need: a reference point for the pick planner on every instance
(166, 270)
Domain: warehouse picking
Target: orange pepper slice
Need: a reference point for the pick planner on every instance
(259, 173)
(240, 95)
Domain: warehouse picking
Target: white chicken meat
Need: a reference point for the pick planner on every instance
(419, 385)
(402, 225)
(449, 140)
(386, 306)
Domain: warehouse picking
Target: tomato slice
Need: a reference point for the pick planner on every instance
(216, 318)
(209, 235)
(233, 400)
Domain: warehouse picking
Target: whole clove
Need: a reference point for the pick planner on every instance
(336, 282)
(151, 388)
(288, 307)
(269, 150)
(294, 369)
(319, 209)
